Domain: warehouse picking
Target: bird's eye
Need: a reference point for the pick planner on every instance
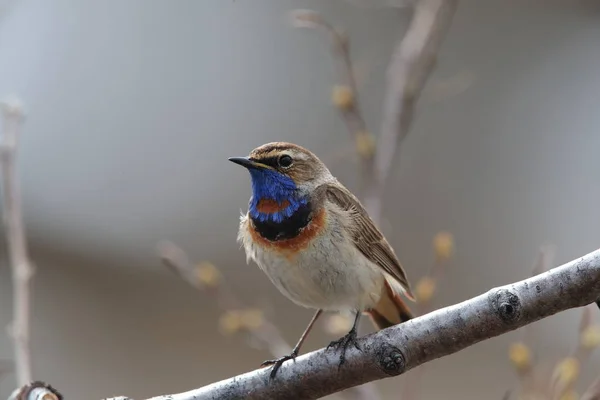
(285, 161)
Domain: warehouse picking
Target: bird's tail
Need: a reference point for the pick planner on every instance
(390, 310)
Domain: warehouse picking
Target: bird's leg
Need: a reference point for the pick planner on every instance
(345, 341)
(279, 361)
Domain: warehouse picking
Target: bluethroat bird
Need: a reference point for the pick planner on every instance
(317, 244)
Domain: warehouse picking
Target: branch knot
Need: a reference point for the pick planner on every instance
(391, 360)
(506, 304)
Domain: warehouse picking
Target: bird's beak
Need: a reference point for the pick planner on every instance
(248, 163)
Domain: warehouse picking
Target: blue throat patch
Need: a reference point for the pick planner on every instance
(271, 185)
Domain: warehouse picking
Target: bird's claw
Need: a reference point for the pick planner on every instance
(277, 363)
(344, 342)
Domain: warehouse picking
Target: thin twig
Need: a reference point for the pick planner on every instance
(345, 94)
(265, 333)
(343, 64)
(398, 349)
(412, 62)
(567, 371)
(22, 270)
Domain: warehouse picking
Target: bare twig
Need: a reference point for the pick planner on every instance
(400, 348)
(343, 63)
(345, 94)
(22, 270)
(568, 370)
(262, 331)
(412, 62)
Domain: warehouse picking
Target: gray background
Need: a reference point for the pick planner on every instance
(134, 106)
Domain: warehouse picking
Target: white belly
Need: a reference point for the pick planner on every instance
(330, 274)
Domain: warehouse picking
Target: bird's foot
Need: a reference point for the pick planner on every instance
(344, 342)
(276, 363)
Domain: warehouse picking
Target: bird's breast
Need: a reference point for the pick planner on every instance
(291, 234)
(320, 267)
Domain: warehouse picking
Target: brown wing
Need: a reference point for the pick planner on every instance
(367, 238)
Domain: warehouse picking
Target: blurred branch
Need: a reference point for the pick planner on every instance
(568, 370)
(412, 62)
(261, 330)
(395, 350)
(22, 270)
(344, 95)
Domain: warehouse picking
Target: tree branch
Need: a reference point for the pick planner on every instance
(262, 330)
(400, 348)
(22, 271)
(412, 62)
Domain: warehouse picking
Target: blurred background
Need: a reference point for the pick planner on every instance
(134, 106)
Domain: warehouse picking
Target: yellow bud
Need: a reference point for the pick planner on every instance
(569, 395)
(590, 337)
(230, 322)
(207, 274)
(342, 97)
(365, 144)
(252, 318)
(338, 324)
(425, 289)
(443, 246)
(520, 355)
(567, 371)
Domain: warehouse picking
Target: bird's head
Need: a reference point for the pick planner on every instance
(283, 176)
